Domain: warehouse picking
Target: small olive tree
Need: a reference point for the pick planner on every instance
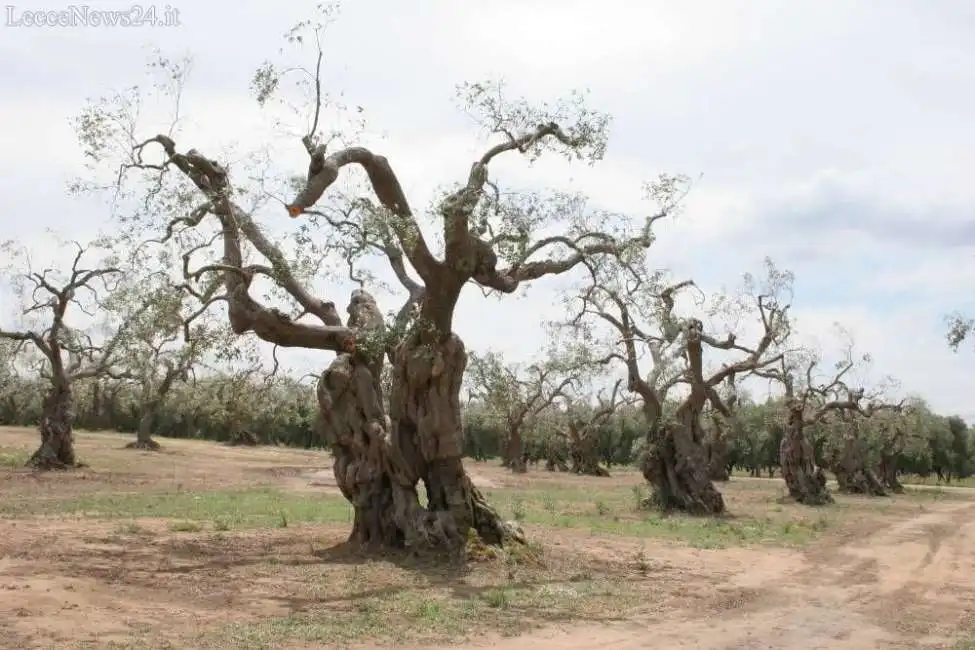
(582, 428)
(70, 353)
(162, 346)
(514, 397)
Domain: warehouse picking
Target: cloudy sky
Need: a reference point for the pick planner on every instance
(832, 135)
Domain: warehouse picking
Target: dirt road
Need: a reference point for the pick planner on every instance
(911, 585)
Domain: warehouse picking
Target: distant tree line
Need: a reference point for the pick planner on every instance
(241, 409)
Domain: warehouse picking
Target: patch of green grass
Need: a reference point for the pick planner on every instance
(233, 509)
(965, 644)
(130, 528)
(615, 512)
(13, 458)
(938, 493)
(430, 616)
(912, 479)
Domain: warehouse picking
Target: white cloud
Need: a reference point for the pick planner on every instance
(831, 135)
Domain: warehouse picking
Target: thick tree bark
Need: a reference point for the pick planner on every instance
(806, 482)
(514, 452)
(853, 475)
(718, 455)
(888, 474)
(379, 460)
(676, 465)
(583, 452)
(57, 439)
(892, 448)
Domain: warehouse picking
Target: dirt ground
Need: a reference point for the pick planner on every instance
(887, 573)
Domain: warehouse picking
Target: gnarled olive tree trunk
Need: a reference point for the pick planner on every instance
(853, 474)
(717, 447)
(806, 482)
(380, 459)
(514, 452)
(676, 464)
(57, 439)
(583, 451)
(888, 474)
(890, 451)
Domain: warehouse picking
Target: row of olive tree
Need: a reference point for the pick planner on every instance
(237, 408)
(389, 405)
(246, 408)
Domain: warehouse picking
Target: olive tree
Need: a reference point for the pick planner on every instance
(582, 427)
(827, 401)
(513, 397)
(163, 345)
(70, 353)
(725, 428)
(640, 308)
(493, 237)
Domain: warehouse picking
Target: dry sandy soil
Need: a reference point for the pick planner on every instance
(88, 560)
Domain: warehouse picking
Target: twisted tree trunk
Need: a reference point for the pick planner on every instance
(676, 465)
(852, 472)
(583, 451)
(891, 450)
(57, 439)
(888, 474)
(514, 454)
(718, 449)
(806, 482)
(718, 455)
(380, 459)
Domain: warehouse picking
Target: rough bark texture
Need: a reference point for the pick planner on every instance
(154, 394)
(57, 439)
(805, 481)
(514, 452)
(718, 451)
(849, 463)
(888, 474)
(890, 451)
(380, 460)
(583, 452)
(676, 466)
(100, 415)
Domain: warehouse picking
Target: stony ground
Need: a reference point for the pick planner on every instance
(205, 546)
